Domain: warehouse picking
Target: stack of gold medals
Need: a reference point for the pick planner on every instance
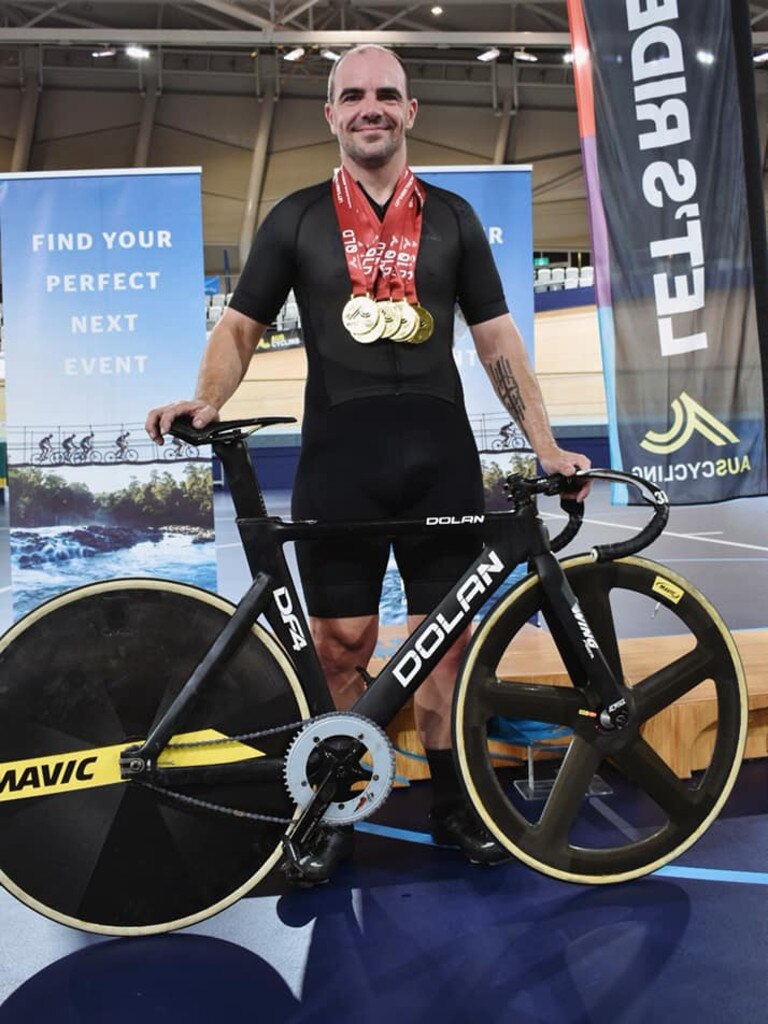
(381, 259)
(368, 320)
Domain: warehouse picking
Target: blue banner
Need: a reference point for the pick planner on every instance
(501, 197)
(104, 315)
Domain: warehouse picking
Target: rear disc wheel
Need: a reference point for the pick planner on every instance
(86, 675)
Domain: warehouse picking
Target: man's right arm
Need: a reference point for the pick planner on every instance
(224, 364)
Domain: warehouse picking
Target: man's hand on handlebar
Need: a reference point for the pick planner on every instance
(567, 463)
(159, 420)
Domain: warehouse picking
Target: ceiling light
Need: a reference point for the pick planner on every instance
(137, 52)
(491, 54)
(296, 54)
(569, 57)
(330, 55)
(437, 11)
(760, 58)
(105, 51)
(525, 56)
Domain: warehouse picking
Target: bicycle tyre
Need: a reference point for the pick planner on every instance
(94, 668)
(655, 814)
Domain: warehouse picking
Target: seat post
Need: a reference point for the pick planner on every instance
(241, 478)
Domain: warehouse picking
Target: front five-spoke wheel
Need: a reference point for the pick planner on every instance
(617, 805)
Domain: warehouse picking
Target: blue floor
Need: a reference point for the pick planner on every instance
(408, 932)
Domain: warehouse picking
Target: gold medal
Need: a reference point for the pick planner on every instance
(409, 323)
(425, 328)
(362, 318)
(372, 334)
(390, 314)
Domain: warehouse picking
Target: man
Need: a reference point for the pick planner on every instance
(377, 261)
(45, 445)
(68, 446)
(122, 443)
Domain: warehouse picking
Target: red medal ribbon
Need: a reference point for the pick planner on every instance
(381, 255)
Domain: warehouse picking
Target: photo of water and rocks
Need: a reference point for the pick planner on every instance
(66, 530)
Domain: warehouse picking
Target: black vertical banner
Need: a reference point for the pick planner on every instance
(667, 117)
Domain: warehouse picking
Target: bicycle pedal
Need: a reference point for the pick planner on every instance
(290, 867)
(315, 862)
(296, 877)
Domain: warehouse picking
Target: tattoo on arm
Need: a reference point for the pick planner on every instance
(507, 388)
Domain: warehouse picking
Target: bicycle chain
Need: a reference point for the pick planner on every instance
(207, 805)
(241, 737)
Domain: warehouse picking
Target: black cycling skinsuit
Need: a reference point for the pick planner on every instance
(385, 432)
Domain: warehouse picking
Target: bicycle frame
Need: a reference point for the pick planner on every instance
(509, 538)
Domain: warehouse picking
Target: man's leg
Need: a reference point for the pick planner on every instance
(343, 645)
(452, 819)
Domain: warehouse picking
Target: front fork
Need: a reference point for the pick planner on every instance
(608, 697)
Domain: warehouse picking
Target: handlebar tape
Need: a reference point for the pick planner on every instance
(648, 534)
(575, 512)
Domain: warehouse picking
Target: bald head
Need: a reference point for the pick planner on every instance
(360, 51)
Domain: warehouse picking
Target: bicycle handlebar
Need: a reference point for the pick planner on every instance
(519, 488)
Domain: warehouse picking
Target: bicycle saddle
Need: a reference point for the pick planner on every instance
(224, 429)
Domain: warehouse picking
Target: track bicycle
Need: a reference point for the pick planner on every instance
(162, 749)
(122, 453)
(177, 449)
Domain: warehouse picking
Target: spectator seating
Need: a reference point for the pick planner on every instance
(571, 277)
(587, 277)
(543, 279)
(549, 279)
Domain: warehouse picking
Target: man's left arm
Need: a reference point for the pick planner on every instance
(502, 352)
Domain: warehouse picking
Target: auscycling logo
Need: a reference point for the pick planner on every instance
(689, 418)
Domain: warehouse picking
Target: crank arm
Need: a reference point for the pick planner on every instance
(310, 817)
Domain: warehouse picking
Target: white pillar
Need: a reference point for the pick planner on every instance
(25, 126)
(146, 124)
(258, 170)
(505, 115)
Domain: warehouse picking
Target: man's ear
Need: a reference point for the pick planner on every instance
(410, 117)
(329, 118)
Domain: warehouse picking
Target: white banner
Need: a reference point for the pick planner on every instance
(104, 316)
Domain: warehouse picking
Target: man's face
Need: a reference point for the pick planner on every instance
(370, 112)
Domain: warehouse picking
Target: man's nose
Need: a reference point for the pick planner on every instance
(371, 108)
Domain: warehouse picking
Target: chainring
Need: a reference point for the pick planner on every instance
(381, 770)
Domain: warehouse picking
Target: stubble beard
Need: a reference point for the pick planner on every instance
(373, 159)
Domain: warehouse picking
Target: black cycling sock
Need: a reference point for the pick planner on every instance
(446, 787)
